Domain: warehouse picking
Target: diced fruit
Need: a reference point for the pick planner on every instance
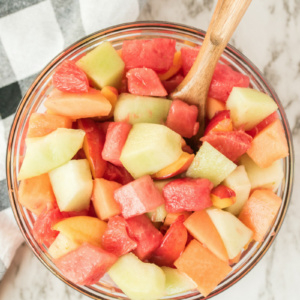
(118, 174)
(239, 182)
(144, 82)
(177, 167)
(172, 83)
(103, 66)
(61, 246)
(69, 78)
(116, 239)
(248, 107)
(177, 282)
(213, 106)
(138, 280)
(223, 80)
(188, 57)
(139, 109)
(72, 185)
(158, 215)
(148, 238)
(149, 148)
(233, 232)
(36, 193)
(220, 122)
(78, 105)
(138, 197)
(201, 227)
(174, 68)
(232, 144)
(82, 229)
(269, 177)
(172, 245)
(103, 198)
(116, 136)
(202, 266)
(260, 211)
(186, 194)
(46, 153)
(269, 145)
(111, 94)
(161, 183)
(182, 118)
(43, 124)
(156, 54)
(92, 145)
(85, 265)
(222, 196)
(211, 164)
(172, 217)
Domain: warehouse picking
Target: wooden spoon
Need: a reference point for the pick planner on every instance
(194, 88)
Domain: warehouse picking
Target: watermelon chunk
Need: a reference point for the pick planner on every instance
(144, 82)
(171, 84)
(223, 80)
(186, 194)
(116, 136)
(117, 173)
(182, 118)
(116, 239)
(138, 197)
(85, 265)
(156, 54)
(232, 144)
(188, 57)
(148, 238)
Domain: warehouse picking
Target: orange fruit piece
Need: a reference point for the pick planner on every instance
(174, 68)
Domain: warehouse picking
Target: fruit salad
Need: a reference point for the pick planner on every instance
(115, 187)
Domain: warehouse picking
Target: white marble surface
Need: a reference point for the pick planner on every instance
(269, 35)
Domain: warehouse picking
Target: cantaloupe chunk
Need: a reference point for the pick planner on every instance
(201, 227)
(103, 198)
(202, 266)
(42, 124)
(260, 211)
(269, 145)
(36, 193)
(213, 106)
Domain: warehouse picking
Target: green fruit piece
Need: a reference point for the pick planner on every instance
(46, 153)
(139, 109)
(159, 214)
(103, 66)
(138, 280)
(248, 107)
(177, 282)
(149, 148)
(211, 164)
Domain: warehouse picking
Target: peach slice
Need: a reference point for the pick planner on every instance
(174, 68)
(222, 196)
(213, 106)
(172, 217)
(111, 94)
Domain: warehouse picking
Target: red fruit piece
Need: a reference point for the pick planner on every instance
(145, 82)
(148, 238)
(232, 144)
(156, 54)
(182, 118)
(70, 78)
(116, 239)
(220, 122)
(186, 194)
(223, 80)
(116, 136)
(118, 174)
(173, 244)
(171, 84)
(138, 197)
(86, 264)
(188, 57)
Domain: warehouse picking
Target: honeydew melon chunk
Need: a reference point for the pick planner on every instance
(138, 280)
(149, 148)
(248, 107)
(72, 185)
(269, 177)
(159, 214)
(103, 66)
(239, 182)
(233, 232)
(177, 282)
(140, 109)
(211, 164)
(46, 153)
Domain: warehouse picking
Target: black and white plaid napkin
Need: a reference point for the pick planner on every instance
(32, 32)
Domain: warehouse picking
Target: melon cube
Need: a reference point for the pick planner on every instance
(211, 164)
(159, 214)
(248, 107)
(149, 148)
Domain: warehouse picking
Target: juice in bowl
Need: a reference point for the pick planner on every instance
(34, 102)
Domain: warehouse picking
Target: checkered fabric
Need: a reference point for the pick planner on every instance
(32, 32)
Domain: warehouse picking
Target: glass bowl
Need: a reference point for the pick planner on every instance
(33, 102)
